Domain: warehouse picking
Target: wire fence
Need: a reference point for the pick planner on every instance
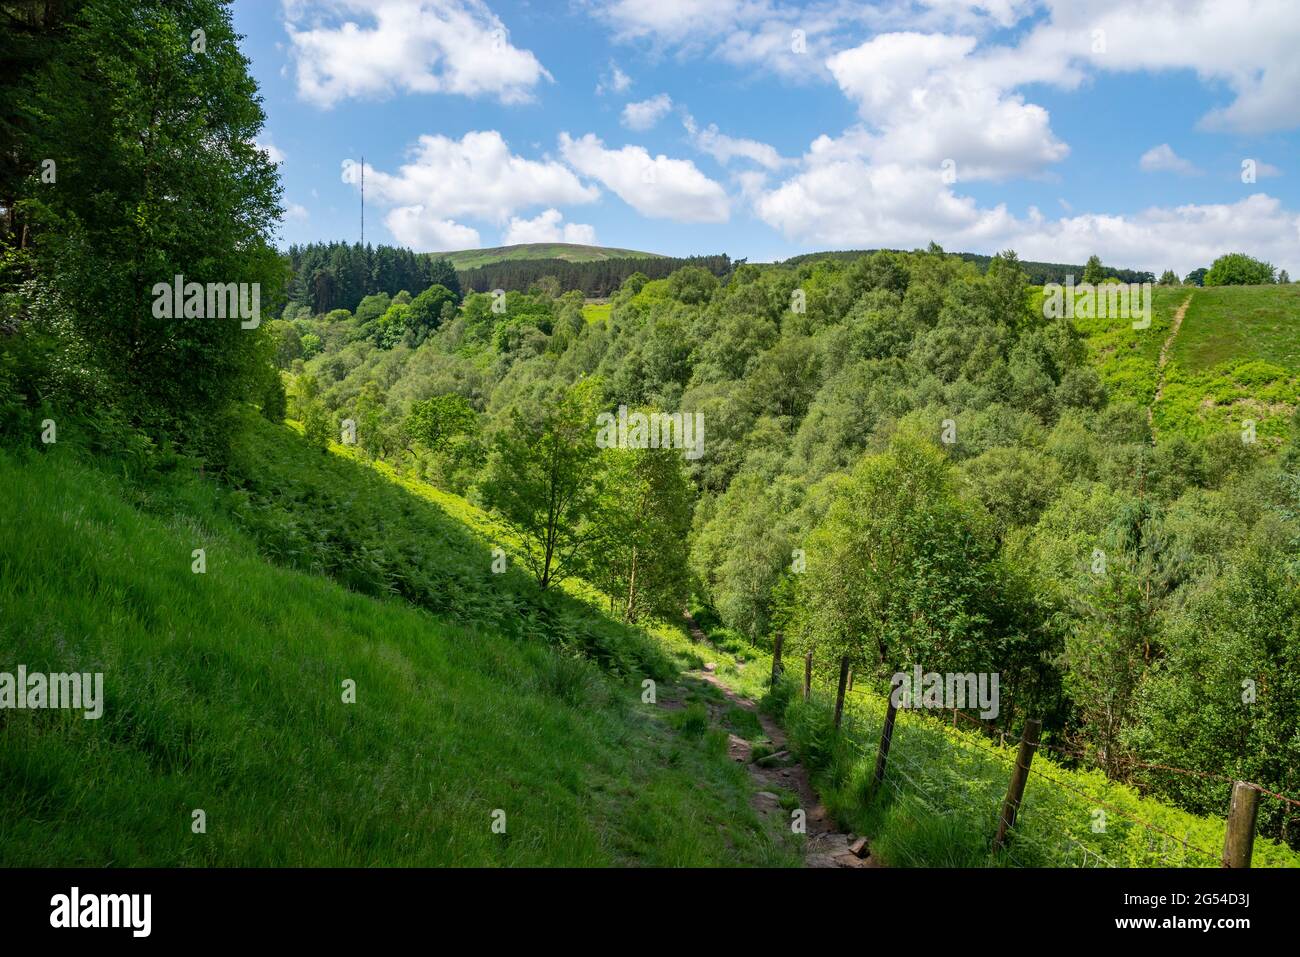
(1034, 832)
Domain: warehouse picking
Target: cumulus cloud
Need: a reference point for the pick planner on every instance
(1162, 159)
(548, 227)
(475, 176)
(1184, 237)
(929, 99)
(644, 114)
(411, 226)
(840, 199)
(373, 48)
(296, 212)
(657, 187)
(1247, 45)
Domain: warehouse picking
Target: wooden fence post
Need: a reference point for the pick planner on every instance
(807, 676)
(850, 688)
(776, 657)
(839, 697)
(1239, 840)
(886, 738)
(1019, 774)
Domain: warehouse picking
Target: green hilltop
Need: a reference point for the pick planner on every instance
(569, 252)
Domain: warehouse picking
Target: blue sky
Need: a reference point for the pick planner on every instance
(762, 128)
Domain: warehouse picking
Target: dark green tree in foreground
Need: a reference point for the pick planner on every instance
(1092, 272)
(150, 127)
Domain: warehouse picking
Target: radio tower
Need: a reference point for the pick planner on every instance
(363, 201)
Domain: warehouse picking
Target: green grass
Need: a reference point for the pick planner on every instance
(596, 311)
(944, 788)
(1241, 323)
(224, 690)
(1128, 359)
(572, 252)
(1236, 358)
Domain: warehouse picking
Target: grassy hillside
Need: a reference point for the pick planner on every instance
(1127, 358)
(570, 252)
(1236, 356)
(224, 690)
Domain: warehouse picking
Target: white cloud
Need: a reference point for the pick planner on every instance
(657, 187)
(1247, 45)
(1184, 237)
(475, 176)
(670, 21)
(842, 200)
(411, 226)
(1162, 159)
(724, 148)
(547, 227)
(616, 81)
(297, 212)
(973, 13)
(644, 114)
(839, 200)
(778, 37)
(929, 100)
(414, 46)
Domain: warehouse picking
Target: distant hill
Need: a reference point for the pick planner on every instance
(1038, 272)
(569, 252)
(597, 278)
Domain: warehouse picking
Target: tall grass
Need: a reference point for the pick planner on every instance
(944, 788)
(224, 690)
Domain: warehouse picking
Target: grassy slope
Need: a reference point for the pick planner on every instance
(1127, 358)
(223, 693)
(572, 252)
(1237, 357)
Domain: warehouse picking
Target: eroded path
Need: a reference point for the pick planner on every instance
(1164, 360)
(781, 782)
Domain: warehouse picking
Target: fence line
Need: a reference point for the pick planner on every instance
(1241, 820)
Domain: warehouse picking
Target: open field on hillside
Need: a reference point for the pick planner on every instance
(572, 252)
(1235, 361)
